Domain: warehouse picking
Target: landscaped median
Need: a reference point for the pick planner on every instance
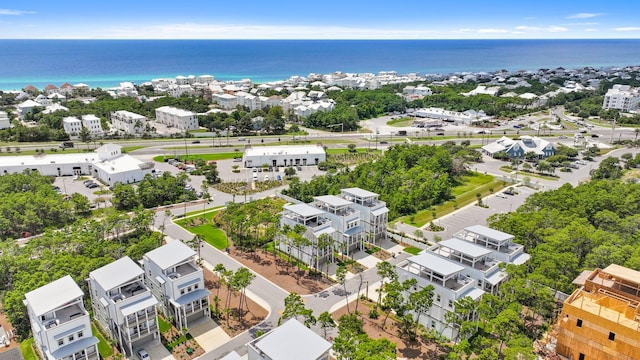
(200, 223)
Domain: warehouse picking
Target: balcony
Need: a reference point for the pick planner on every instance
(61, 316)
(127, 291)
(182, 270)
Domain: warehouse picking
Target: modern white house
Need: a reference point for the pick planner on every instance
(345, 219)
(5, 122)
(27, 106)
(178, 118)
(288, 155)
(518, 148)
(128, 122)
(72, 125)
(93, 124)
(60, 323)
(466, 265)
(290, 341)
(176, 280)
(374, 213)
(622, 97)
(124, 305)
(226, 101)
(316, 224)
(107, 163)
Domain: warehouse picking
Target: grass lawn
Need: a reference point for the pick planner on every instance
(412, 250)
(400, 122)
(346, 151)
(214, 209)
(464, 193)
(205, 157)
(126, 149)
(163, 326)
(26, 349)
(209, 233)
(104, 348)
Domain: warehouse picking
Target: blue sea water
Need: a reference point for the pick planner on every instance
(105, 63)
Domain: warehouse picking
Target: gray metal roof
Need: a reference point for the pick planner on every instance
(293, 341)
(473, 293)
(361, 193)
(465, 247)
(304, 210)
(53, 295)
(488, 232)
(170, 254)
(333, 200)
(116, 273)
(139, 305)
(435, 263)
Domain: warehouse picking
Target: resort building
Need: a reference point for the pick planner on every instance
(177, 281)
(466, 265)
(601, 319)
(178, 118)
(93, 124)
(302, 155)
(123, 305)
(60, 324)
(290, 341)
(518, 148)
(128, 122)
(622, 97)
(72, 125)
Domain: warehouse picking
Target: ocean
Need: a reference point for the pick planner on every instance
(105, 63)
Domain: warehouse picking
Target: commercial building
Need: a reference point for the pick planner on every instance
(178, 118)
(601, 319)
(622, 97)
(128, 122)
(466, 265)
(107, 163)
(290, 341)
(518, 148)
(60, 323)
(292, 155)
(177, 282)
(123, 305)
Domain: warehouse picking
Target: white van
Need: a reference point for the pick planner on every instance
(255, 177)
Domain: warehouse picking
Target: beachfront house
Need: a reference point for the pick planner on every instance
(60, 323)
(124, 305)
(290, 341)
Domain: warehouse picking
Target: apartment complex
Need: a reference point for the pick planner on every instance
(60, 323)
(178, 118)
(622, 97)
(601, 319)
(93, 124)
(290, 341)
(174, 277)
(71, 125)
(123, 304)
(128, 122)
(467, 265)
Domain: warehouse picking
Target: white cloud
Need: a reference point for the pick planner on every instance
(583, 15)
(463, 31)
(493, 31)
(591, 30)
(555, 29)
(15, 12)
(580, 24)
(528, 28)
(551, 29)
(628, 28)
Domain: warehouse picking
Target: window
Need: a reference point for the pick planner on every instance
(195, 286)
(433, 324)
(71, 337)
(581, 356)
(80, 334)
(181, 291)
(438, 297)
(60, 342)
(579, 323)
(189, 289)
(612, 336)
(479, 283)
(450, 304)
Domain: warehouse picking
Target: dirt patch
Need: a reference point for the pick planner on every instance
(250, 315)
(7, 327)
(421, 348)
(280, 272)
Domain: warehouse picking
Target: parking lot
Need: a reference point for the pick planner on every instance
(69, 185)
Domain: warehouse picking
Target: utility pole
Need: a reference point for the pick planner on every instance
(613, 128)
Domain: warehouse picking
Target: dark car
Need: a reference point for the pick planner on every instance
(195, 142)
(383, 142)
(595, 135)
(440, 134)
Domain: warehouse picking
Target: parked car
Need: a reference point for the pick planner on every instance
(93, 186)
(143, 354)
(266, 178)
(237, 159)
(299, 168)
(501, 195)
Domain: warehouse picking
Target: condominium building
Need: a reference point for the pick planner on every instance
(123, 304)
(177, 118)
(72, 125)
(466, 265)
(93, 124)
(128, 122)
(290, 341)
(5, 122)
(60, 323)
(174, 277)
(601, 319)
(622, 97)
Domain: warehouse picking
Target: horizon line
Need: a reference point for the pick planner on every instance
(321, 39)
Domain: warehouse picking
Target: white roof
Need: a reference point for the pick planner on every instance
(304, 210)
(122, 163)
(29, 103)
(283, 150)
(32, 160)
(465, 247)
(53, 295)
(332, 200)
(436, 263)
(141, 304)
(170, 254)
(473, 293)
(175, 111)
(116, 273)
(361, 193)
(488, 232)
(292, 341)
(232, 356)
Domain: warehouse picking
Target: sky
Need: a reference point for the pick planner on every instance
(326, 19)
